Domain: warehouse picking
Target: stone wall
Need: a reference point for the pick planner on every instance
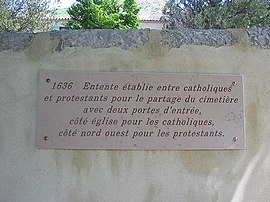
(31, 174)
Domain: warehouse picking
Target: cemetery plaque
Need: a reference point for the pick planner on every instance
(139, 111)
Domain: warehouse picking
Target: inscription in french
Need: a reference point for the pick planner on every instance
(147, 111)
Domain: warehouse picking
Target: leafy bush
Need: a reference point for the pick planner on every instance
(103, 14)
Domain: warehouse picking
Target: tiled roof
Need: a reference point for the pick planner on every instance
(144, 17)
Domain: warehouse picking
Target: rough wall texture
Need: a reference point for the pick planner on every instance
(30, 174)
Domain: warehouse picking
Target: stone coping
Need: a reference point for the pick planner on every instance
(126, 39)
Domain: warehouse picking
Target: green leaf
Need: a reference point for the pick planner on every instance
(104, 14)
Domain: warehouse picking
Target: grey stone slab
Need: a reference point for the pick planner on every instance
(260, 37)
(215, 38)
(15, 41)
(101, 38)
(126, 39)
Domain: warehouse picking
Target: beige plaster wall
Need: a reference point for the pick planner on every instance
(31, 174)
(157, 25)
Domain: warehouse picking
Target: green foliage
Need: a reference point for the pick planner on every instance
(25, 15)
(216, 14)
(103, 14)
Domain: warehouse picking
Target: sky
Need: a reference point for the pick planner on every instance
(66, 3)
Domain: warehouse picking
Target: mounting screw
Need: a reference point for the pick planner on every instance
(235, 139)
(234, 83)
(46, 138)
(48, 80)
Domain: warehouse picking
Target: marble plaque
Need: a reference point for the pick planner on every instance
(139, 111)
